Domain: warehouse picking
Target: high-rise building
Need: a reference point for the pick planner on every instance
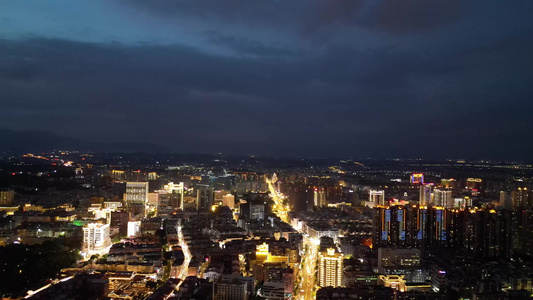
(176, 194)
(410, 227)
(330, 268)
(382, 223)
(520, 198)
(377, 197)
(7, 197)
(439, 226)
(426, 194)
(136, 197)
(95, 238)
(523, 235)
(136, 192)
(417, 178)
(320, 196)
(204, 197)
(396, 226)
(443, 198)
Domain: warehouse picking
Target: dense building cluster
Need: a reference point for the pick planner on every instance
(230, 228)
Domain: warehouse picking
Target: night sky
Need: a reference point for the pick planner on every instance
(431, 79)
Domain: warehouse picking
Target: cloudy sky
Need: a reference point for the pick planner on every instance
(435, 79)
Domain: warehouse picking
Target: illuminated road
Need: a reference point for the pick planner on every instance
(279, 209)
(187, 257)
(307, 269)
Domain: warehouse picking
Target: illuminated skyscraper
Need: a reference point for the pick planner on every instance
(330, 268)
(439, 226)
(320, 196)
(136, 197)
(383, 220)
(443, 198)
(395, 226)
(417, 178)
(422, 228)
(175, 193)
(136, 192)
(426, 194)
(377, 197)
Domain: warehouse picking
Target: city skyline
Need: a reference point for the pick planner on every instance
(382, 79)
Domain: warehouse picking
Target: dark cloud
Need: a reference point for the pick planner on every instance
(400, 17)
(315, 78)
(245, 46)
(310, 17)
(344, 102)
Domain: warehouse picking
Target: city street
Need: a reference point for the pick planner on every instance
(306, 287)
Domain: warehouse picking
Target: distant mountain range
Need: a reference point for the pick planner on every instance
(40, 141)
